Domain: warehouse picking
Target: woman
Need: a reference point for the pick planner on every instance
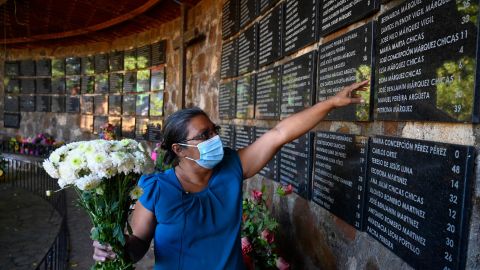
(193, 211)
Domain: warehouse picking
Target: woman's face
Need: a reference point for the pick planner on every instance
(200, 129)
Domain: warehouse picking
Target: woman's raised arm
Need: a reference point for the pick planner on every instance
(255, 156)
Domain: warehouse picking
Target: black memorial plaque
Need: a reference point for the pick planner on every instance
(154, 133)
(418, 200)
(116, 82)
(247, 50)
(159, 55)
(73, 85)
(128, 127)
(58, 85)
(27, 68)
(27, 103)
(116, 61)
(44, 67)
(101, 83)
(130, 82)
(267, 94)
(226, 100)
(296, 164)
(228, 66)
(270, 37)
(339, 175)
(73, 104)
(298, 84)
(158, 79)
(144, 56)
(44, 85)
(227, 135)
(244, 136)
(27, 86)
(11, 104)
(141, 128)
(336, 14)
(245, 97)
(58, 67)
(345, 60)
(88, 104)
(130, 59)
(156, 104)
(270, 171)
(128, 104)
(88, 84)
(73, 65)
(58, 104)
(12, 85)
(98, 122)
(11, 120)
(264, 5)
(230, 22)
(101, 63)
(88, 63)
(300, 24)
(12, 69)
(248, 11)
(142, 105)
(143, 80)
(427, 62)
(101, 104)
(115, 104)
(43, 103)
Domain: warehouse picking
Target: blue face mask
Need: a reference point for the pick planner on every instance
(211, 152)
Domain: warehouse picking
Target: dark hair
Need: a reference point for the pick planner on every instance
(175, 130)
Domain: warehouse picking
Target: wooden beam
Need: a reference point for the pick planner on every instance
(86, 30)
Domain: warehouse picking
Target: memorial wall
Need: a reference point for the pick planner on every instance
(123, 88)
(412, 196)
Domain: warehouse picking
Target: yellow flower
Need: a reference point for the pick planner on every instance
(1, 172)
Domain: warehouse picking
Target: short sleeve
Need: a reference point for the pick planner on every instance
(151, 191)
(233, 162)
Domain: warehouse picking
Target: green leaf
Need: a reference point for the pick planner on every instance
(95, 234)
(118, 234)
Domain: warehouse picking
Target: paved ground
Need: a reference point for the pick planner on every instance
(28, 226)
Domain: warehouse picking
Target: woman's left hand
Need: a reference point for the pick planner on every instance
(347, 95)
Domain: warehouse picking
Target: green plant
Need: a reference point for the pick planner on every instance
(258, 232)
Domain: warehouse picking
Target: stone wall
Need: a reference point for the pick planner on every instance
(310, 236)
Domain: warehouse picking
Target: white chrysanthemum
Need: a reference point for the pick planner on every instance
(136, 193)
(88, 182)
(50, 169)
(76, 161)
(62, 183)
(127, 165)
(67, 173)
(98, 161)
(54, 158)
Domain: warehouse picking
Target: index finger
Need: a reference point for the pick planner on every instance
(357, 86)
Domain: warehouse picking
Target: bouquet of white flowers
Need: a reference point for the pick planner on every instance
(105, 175)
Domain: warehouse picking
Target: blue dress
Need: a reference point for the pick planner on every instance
(197, 230)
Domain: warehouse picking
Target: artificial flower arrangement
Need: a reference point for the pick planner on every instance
(105, 175)
(258, 233)
(108, 132)
(39, 145)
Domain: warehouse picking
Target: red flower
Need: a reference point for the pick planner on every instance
(257, 196)
(288, 189)
(282, 264)
(246, 246)
(268, 236)
(248, 262)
